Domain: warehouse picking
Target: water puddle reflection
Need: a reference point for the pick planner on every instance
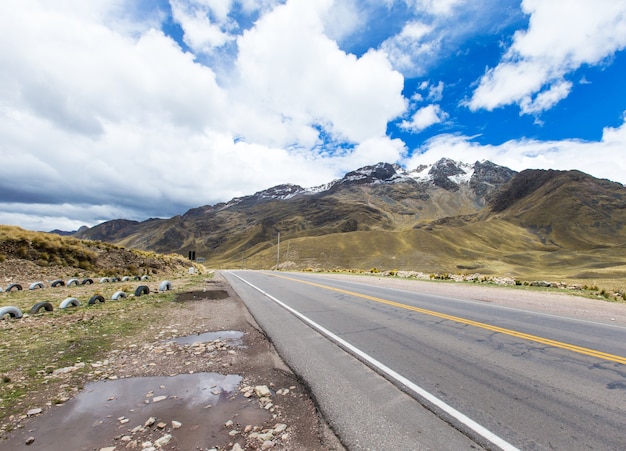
(233, 337)
(105, 410)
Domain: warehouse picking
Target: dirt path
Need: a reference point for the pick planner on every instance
(222, 386)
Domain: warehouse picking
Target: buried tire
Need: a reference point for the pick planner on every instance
(69, 302)
(86, 282)
(118, 295)
(17, 287)
(166, 285)
(12, 311)
(46, 306)
(57, 283)
(141, 289)
(96, 298)
(73, 282)
(35, 285)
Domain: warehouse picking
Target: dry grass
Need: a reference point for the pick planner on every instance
(34, 346)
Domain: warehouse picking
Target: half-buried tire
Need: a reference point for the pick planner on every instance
(95, 299)
(35, 285)
(12, 311)
(141, 289)
(118, 295)
(46, 306)
(17, 287)
(57, 283)
(69, 302)
(166, 285)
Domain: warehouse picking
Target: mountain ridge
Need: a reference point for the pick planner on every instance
(459, 211)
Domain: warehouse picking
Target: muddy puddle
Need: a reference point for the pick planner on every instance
(115, 412)
(231, 337)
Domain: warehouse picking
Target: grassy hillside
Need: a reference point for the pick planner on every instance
(24, 253)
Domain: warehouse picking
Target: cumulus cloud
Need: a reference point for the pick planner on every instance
(299, 77)
(424, 118)
(121, 117)
(562, 36)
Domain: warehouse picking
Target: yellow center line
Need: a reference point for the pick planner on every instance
(469, 322)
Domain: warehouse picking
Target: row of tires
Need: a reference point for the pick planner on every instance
(71, 282)
(15, 313)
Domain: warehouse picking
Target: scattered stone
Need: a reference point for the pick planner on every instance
(176, 424)
(158, 398)
(160, 442)
(30, 440)
(279, 428)
(33, 412)
(108, 448)
(262, 391)
(236, 447)
(149, 422)
(161, 425)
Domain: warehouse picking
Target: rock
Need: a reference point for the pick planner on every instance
(33, 412)
(262, 391)
(158, 398)
(268, 444)
(150, 421)
(236, 447)
(279, 427)
(108, 448)
(161, 425)
(30, 440)
(160, 442)
(176, 424)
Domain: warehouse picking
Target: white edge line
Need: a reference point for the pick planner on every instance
(477, 428)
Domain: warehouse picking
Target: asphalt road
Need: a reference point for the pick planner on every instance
(393, 369)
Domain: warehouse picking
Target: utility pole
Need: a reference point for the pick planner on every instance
(278, 252)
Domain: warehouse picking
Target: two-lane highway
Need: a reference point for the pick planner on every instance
(506, 378)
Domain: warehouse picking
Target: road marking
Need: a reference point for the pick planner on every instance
(557, 344)
(462, 418)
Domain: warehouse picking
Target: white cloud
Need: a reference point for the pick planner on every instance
(296, 76)
(424, 118)
(597, 158)
(127, 121)
(205, 23)
(408, 48)
(562, 36)
(546, 99)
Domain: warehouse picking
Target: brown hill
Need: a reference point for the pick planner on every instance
(449, 217)
(28, 256)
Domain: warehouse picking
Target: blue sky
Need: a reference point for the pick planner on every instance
(136, 108)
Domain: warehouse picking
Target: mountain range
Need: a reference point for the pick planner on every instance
(445, 217)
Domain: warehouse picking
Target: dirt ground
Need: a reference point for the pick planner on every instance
(250, 400)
